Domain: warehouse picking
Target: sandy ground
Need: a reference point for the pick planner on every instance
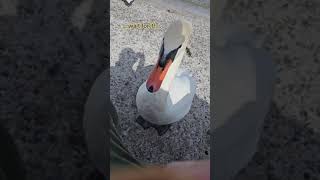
(133, 52)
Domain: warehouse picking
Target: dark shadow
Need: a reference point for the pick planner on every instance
(287, 149)
(185, 140)
(48, 69)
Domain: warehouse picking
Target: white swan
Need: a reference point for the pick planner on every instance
(241, 104)
(95, 121)
(243, 87)
(167, 95)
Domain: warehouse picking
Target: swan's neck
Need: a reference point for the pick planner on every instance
(168, 80)
(160, 97)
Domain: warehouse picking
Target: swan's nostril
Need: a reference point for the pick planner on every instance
(150, 89)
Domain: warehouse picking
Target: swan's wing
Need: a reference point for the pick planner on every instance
(236, 83)
(183, 85)
(241, 131)
(181, 95)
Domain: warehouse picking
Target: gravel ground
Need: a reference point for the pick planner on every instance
(49, 67)
(48, 75)
(290, 143)
(133, 52)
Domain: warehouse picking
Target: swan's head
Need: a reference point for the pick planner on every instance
(170, 56)
(164, 64)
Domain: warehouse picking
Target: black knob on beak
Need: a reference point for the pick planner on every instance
(150, 89)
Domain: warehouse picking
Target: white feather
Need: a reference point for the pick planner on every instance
(174, 98)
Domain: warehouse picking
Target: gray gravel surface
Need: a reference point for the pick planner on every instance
(290, 143)
(43, 88)
(47, 68)
(133, 53)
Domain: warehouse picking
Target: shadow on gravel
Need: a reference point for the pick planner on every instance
(178, 143)
(48, 67)
(287, 148)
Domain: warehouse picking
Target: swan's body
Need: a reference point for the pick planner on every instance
(95, 122)
(243, 86)
(177, 101)
(241, 105)
(166, 101)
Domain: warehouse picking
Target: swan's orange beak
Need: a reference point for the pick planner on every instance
(157, 76)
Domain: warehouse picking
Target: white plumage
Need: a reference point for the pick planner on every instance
(174, 98)
(243, 86)
(243, 92)
(129, 1)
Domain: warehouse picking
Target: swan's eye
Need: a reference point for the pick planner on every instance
(162, 62)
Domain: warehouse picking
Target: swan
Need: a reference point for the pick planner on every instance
(241, 105)
(97, 110)
(166, 96)
(243, 88)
